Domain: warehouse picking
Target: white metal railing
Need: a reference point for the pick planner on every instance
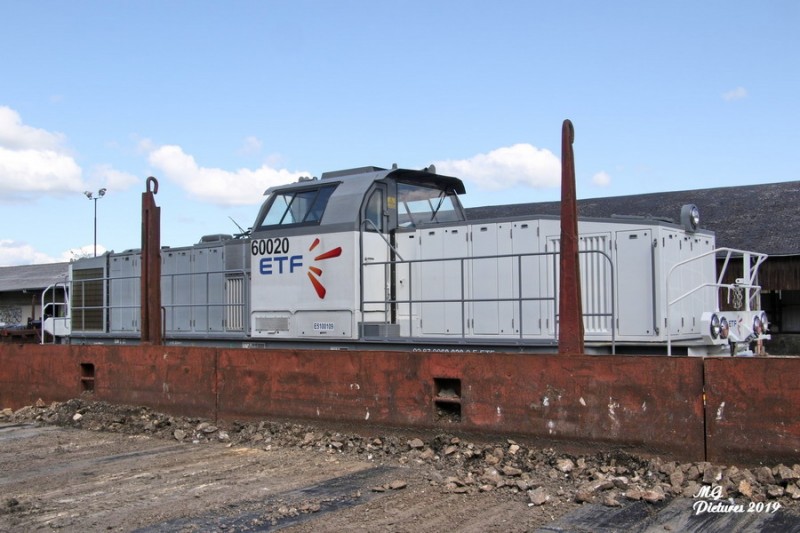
(200, 299)
(748, 281)
(462, 300)
(55, 312)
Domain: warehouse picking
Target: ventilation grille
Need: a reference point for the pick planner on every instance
(275, 323)
(234, 304)
(595, 284)
(87, 299)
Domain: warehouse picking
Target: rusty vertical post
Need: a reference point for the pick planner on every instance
(151, 266)
(570, 314)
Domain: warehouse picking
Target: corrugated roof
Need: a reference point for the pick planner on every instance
(759, 218)
(34, 277)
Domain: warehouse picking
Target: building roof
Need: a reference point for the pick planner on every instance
(759, 218)
(33, 277)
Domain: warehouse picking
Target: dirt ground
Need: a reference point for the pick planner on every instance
(78, 480)
(89, 466)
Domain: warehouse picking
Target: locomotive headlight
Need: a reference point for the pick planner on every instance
(724, 329)
(714, 327)
(758, 326)
(690, 217)
(764, 322)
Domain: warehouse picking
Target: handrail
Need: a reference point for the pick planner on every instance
(749, 273)
(463, 300)
(362, 261)
(380, 234)
(169, 309)
(56, 305)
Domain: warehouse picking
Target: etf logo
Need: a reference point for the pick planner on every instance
(314, 273)
(288, 264)
(275, 264)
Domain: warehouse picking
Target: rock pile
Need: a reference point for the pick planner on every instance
(541, 475)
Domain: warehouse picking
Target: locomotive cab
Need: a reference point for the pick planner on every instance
(312, 237)
(388, 199)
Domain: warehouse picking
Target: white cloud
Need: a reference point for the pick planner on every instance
(113, 179)
(250, 146)
(215, 185)
(15, 135)
(503, 168)
(601, 179)
(33, 160)
(14, 253)
(735, 94)
(145, 146)
(35, 170)
(19, 253)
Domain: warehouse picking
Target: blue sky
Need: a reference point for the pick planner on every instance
(220, 100)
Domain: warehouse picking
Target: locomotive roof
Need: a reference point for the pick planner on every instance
(353, 184)
(363, 177)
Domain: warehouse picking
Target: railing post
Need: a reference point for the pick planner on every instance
(748, 277)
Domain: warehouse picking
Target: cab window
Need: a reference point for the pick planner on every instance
(374, 211)
(421, 204)
(297, 207)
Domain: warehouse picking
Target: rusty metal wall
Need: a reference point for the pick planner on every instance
(176, 380)
(650, 403)
(374, 387)
(753, 409)
(31, 372)
(643, 404)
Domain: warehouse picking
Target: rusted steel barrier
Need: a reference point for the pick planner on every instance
(753, 410)
(176, 380)
(644, 404)
(649, 403)
(31, 372)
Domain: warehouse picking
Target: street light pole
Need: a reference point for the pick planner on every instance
(90, 195)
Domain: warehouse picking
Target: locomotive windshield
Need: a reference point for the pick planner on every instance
(297, 207)
(424, 204)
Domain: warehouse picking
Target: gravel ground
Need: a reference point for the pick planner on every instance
(83, 465)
